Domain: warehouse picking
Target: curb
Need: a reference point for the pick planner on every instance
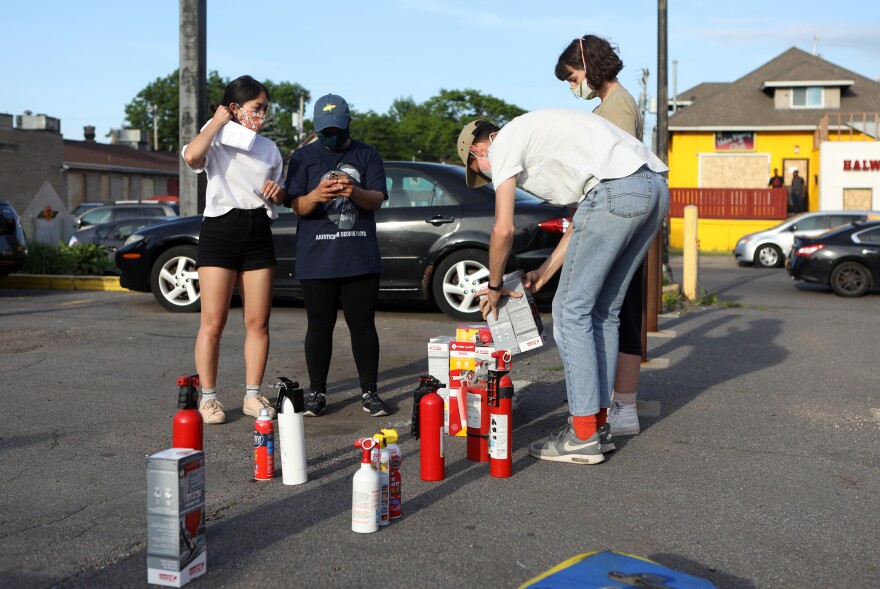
(57, 282)
(673, 289)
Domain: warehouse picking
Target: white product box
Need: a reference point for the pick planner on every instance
(519, 327)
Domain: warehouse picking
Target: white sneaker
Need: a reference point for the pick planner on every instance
(623, 419)
(254, 405)
(212, 412)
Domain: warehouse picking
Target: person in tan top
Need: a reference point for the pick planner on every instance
(590, 65)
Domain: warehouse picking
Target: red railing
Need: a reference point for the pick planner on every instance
(730, 203)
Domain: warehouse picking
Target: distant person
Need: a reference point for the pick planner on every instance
(776, 181)
(590, 65)
(235, 242)
(618, 187)
(796, 193)
(335, 184)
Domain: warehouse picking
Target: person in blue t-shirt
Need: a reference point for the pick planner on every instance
(334, 185)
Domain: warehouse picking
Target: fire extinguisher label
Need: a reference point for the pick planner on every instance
(499, 425)
(442, 444)
(474, 416)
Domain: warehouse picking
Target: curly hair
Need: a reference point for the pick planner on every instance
(602, 61)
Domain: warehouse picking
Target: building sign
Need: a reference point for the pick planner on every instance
(735, 141)
(861, 165)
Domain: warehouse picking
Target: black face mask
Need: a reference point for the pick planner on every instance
(333, 141)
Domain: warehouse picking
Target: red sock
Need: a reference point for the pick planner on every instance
(601, 417)
(584, 426)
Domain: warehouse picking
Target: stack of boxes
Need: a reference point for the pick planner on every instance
(175, 517)
(454, 359)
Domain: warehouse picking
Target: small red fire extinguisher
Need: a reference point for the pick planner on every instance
(478, 416)
(189, 428)
(500, 401)
(264, 447)
(427, 427)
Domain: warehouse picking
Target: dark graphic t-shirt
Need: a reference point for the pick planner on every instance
(338, 238)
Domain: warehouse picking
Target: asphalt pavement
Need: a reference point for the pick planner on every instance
(757, 468)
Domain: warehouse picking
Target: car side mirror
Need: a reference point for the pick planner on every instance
(793, 228)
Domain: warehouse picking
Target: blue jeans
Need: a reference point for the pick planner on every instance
(611, 233)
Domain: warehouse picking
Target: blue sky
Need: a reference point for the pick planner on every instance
(83, 61)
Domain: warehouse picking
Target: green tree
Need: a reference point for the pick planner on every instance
(428, 131)
(164, 93)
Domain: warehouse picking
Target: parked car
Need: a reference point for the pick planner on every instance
(767, 249)
(112, 235)
(116, 212)
(433, 236)
(84, 207)
(846, 258)
(13, 247)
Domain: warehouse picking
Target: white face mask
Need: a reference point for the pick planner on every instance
(584, 90)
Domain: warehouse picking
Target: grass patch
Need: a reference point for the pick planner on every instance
(557, 368)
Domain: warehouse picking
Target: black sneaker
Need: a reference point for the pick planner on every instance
(315, 405)
(374, 405)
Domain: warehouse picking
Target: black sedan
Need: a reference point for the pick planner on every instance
(433, 236)
(112, 235)
(846, 258)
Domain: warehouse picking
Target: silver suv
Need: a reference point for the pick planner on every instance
(121, 212)
(767, 249)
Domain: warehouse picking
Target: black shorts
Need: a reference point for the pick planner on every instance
(239, 240)
(631, 316)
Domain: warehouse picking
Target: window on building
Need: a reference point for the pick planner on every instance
(810, 97)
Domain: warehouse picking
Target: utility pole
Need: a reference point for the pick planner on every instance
(193, 98)
(674, 86)
(155, 128)
(656, 253)
(643, 96)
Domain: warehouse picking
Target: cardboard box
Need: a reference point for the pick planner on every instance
(462, 358)
(473, 333)
(175, 517)
(438, 367)
(519, 327)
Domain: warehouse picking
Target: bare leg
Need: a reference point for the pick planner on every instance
(255, 288)
(216, 286)
(627, 379)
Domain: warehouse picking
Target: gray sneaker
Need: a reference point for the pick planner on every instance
(564, 446)
(605, 439)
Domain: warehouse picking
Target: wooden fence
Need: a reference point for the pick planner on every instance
(730, 203)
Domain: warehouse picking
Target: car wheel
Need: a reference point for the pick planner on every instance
(850, 279)
(457, 279)
(174, 280)
(769, 256)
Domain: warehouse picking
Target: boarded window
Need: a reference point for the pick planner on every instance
(734, 171)
(857, 199)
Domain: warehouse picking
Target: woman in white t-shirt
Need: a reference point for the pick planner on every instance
(235, 242)
(575, 159)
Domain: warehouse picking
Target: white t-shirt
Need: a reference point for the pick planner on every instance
(559, 155)
(236, 176)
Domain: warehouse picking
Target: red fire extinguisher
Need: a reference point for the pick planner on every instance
(500, 401)
(189, 428)
(264, 447)
(427, 427)
(478, 416)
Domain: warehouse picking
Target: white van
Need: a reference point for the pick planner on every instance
(768, 249)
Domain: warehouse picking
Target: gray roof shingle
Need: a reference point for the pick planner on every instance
(744, 104)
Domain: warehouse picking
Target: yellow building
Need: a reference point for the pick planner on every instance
(734, 135)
